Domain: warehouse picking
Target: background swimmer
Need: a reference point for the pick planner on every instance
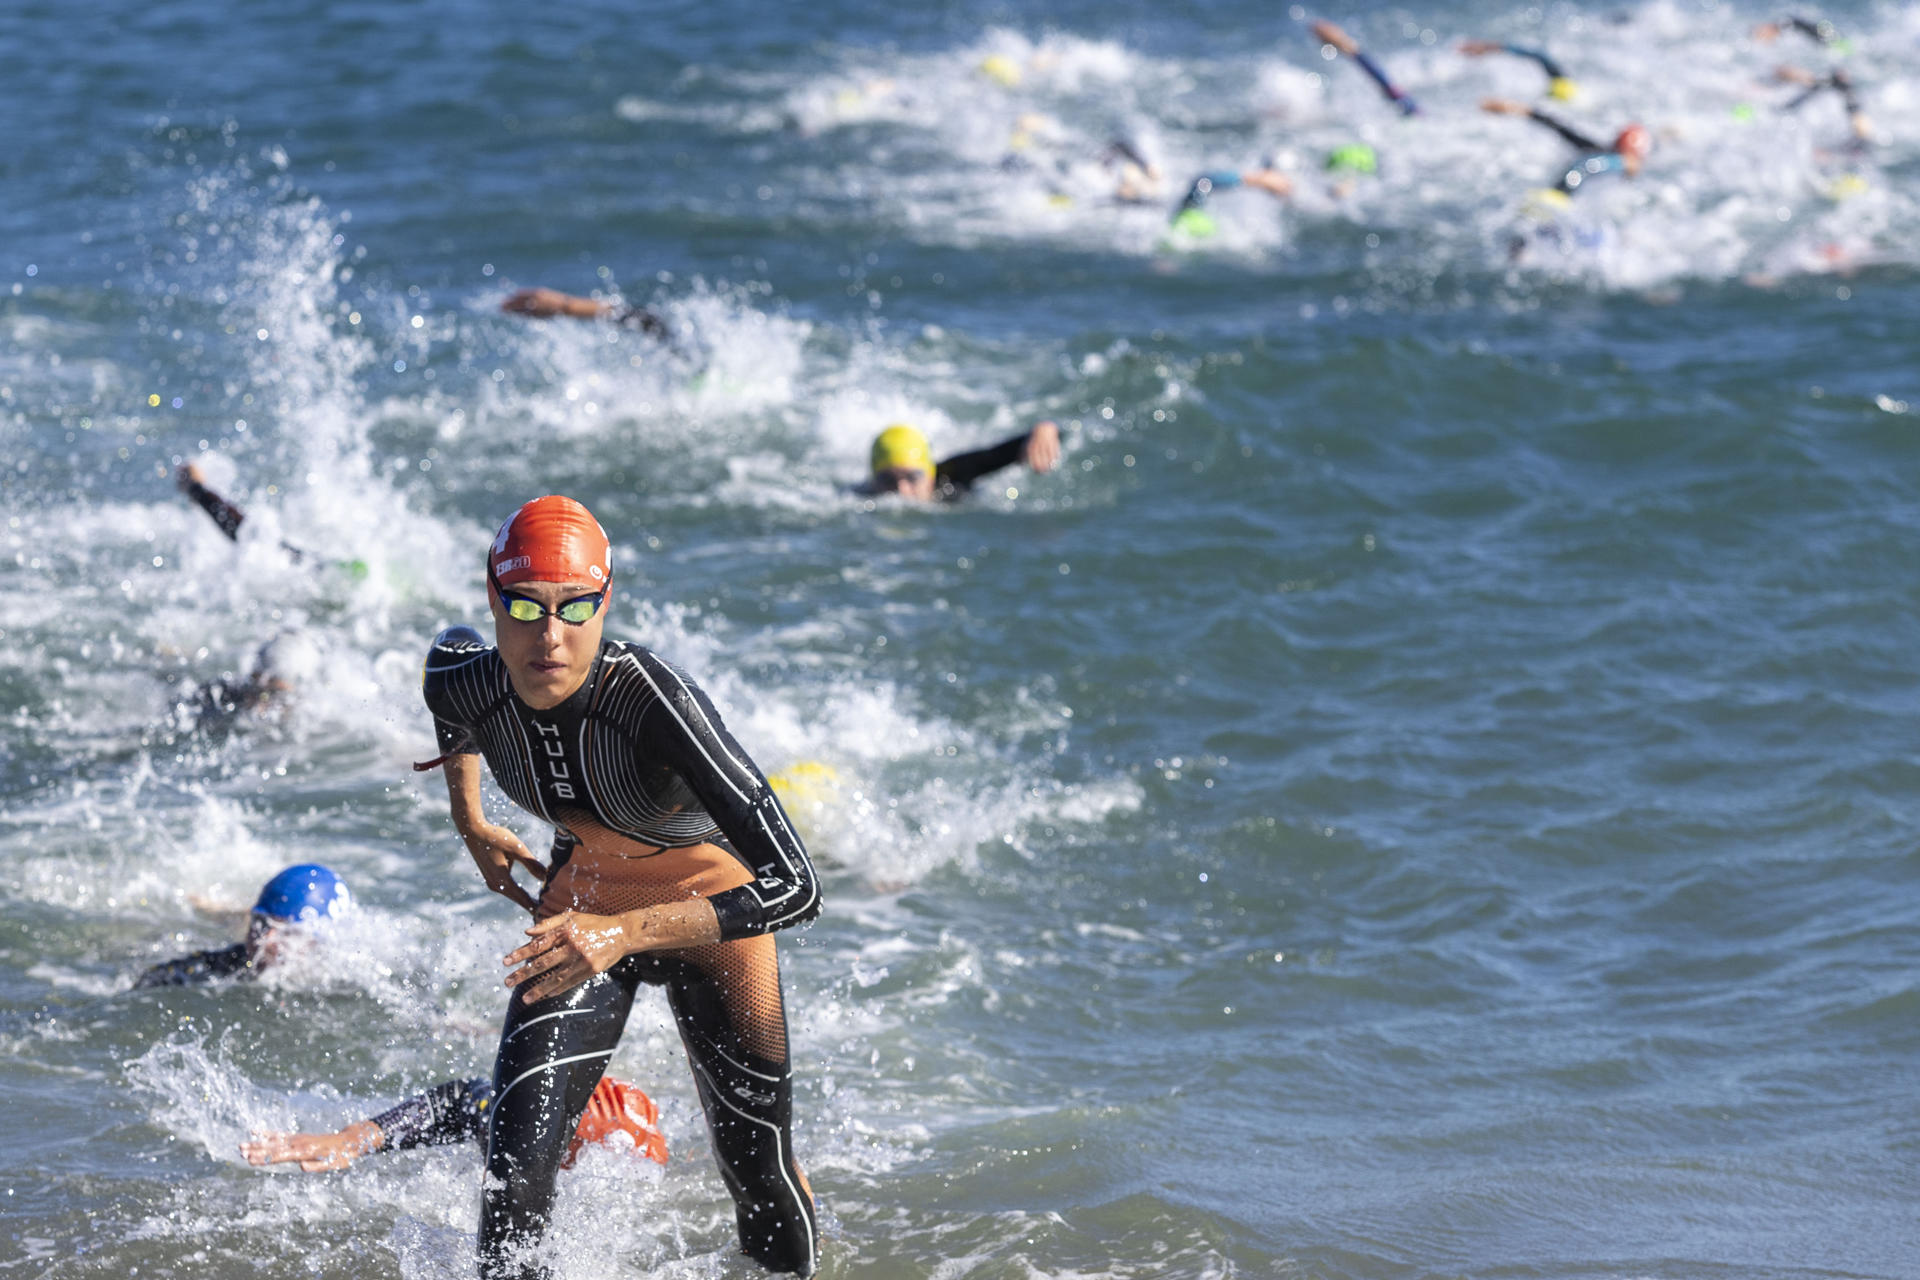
(543, 304)
(291, 908)
(457, 1111)
(1626, 155)
(903, 462)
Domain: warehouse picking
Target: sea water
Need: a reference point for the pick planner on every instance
(1424, 789)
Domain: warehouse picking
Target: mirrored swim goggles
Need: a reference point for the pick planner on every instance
(574, 612)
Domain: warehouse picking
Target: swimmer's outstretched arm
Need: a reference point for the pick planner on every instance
(543, 304)
(1820, 31)
(1508, 107)
(222, 512)
(1328, 33)
(447, 1113)
(494, 849)
(1540, 57)
(1038, 448)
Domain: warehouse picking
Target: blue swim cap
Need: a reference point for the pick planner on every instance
(308, 892)
(459, 633)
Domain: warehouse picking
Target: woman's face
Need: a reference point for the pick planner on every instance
(547, 660)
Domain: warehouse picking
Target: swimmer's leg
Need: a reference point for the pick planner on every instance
(551, 1056)
(726, 999)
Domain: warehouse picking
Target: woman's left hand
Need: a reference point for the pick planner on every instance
(566, 950)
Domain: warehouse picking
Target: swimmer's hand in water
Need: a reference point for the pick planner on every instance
(1043, 447)
(315, 1152)
(1794, 75)
(543, 303)
(187, 476)
(1328, 33)
(572, 947)
(1480, 48)
(1504, 107)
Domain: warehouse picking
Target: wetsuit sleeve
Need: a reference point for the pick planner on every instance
(201, 966)
(957, 474)
(447, 1113)
(686, 732)
(1539, 56)
(1820, 31)
(1566, 131)
(224, 513)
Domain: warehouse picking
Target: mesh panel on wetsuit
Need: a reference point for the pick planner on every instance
(746, 972)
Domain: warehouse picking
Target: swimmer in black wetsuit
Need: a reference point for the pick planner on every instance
(903, 462)
(1818, 30)
(1560, 85)
(302, 897)
(543, 304)
(1837, 80)
(1626, 156)
(457, 1112)
(672, 865)
(282, 665)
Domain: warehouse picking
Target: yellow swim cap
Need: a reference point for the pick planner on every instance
(901, 447)
(1563, 89)
(1001, 69)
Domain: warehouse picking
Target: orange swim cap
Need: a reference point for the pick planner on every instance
(618, 1107)
(550, 539)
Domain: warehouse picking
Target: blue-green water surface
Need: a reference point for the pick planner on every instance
(1426, 789)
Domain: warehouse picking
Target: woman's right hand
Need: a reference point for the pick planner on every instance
(315, 1152)
(496, 851)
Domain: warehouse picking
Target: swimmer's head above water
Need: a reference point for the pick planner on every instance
(1633, 142)
(291, 907)
(549, 576)
(903, 462)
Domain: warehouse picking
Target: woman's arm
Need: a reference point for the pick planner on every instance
(315, 1152)
(1508, 107)
(495, 849)
(222, 512)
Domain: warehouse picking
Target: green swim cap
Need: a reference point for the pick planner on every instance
(1197, 223)
(1744, 112)
(1352, 157)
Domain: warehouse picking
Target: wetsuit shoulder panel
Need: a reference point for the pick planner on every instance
(679, 727)
(463, 682)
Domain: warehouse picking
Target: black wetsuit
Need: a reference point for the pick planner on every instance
(201, 966)
(224, 513)
(654, 802)
(1599, 157)
(954, 478)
